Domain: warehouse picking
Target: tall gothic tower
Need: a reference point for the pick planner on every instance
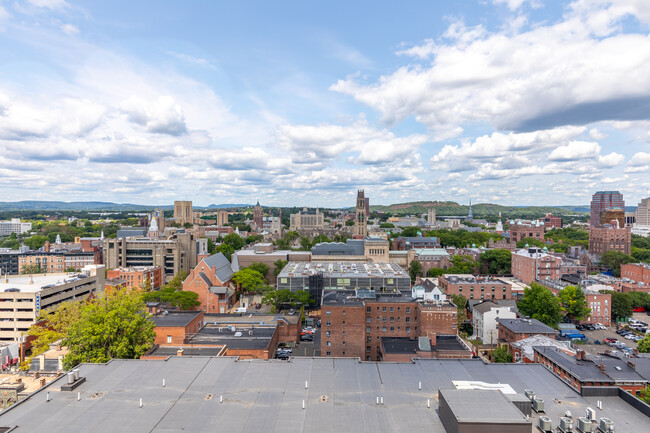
(258, 216)
(360, 222)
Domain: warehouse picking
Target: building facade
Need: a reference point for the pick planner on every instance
(361, 217)
(604, 200)
(551, 221)
(14, 226)
(306, 221)
(600, 305)
(210, 279)
(522, 231)
(511, 330)
(608, 238)
(637, 273)
(472, 287)
(643, 212)
(144, 277)
(534, 264)
(258, 216)
(183, 212)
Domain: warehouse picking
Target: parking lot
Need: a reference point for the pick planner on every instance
(308, 348)
(610, 332)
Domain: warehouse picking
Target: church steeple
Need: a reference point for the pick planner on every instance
(469, 215)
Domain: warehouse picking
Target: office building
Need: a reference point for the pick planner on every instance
(472, 287)
(177, 253)
(9, 261)
(14, 226)
(643, 212)
(553, 222)
(361, 217)
(369, 249)
(604, 200)
(306, 221)
(24, 296)
(265, 253)
(222, 218)
(183, 212)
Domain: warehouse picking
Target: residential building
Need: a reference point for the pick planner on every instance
(183, 212)
(520, 231)
(14, 226)
(342, 395)
(473, 287)
(317, 276)
(604, 200)
(306, 221)
(23, 297)
(258, 216)
(210, 279)
(139, 277)
(354, 321)
(600, 305)
(636, 273)
(511, 330)
(222, 218)
(535, 264)
(643, 212)
(174, 328)
(9, 261)
(177, 253)
(485, 316)
(610, 238)
(360, 217)
(551, 221)
(522, 350)
(416, 242)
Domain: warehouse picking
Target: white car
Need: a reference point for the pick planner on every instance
(600, 326)
(629, 337)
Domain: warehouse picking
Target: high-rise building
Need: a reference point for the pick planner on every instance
(258, 216)
(360, 219)
(14, 226)
(605, 200)
(222, 218)
(432, 215)
(183, 212)
(643, 212)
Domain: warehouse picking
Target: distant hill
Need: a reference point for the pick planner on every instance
(34, 205)
(448, 208)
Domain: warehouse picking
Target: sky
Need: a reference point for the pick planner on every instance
(295, 103)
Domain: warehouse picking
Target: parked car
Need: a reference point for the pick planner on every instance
(629, 336)
(306, 337)
(638, 309)
(283, 355)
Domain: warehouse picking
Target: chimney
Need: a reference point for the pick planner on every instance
(179, 352)
(43, 383)
(46, 247)
(41, 362)
(432, 338)
(602, 368)
(60, 366)
(631, 364)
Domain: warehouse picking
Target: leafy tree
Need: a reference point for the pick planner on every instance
(501, 355)
(461, 313)
(415, 270)
(305, 243)
(234, 240)
(621, 305)
(173, 293)
(573, 302)
(644, 345)
(212, 248)
(32, 269)
(278, 298)
(261, 268)
(540, 303)
(349, 223)
(495, 262)
(531, 242)
(641, 255)
(386, 226)
(436, 272)
(227, 250)
(176, 282)
(279, 264)
(639, 299)
(644, 394)
(249, 280)
(70, 270)
(462, 265)
(10, 242)
(410, 232)
(614, 259)
(35, 242)
(254, 238)
(115, 325)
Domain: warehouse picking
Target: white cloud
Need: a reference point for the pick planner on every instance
(577, 71)
(49, 4)
(69, 29)
(163, 116)
(640, 158)
(574, 151)
(516, 4)
(637, 169)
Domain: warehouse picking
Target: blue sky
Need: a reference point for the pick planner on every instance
(516, 102)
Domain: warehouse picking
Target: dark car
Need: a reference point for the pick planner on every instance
(306, 337)
(282, 355)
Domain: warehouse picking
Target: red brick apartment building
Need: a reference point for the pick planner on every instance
(138, 276)
(521, 231)
(511, 330)
(609, 238)
(174, 328)
(552, 221)
(354, 322)
(638, 275)
(534, 264)
(472, 287)
(211, 280)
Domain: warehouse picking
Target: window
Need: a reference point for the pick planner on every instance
(343, 333)
(328, 353)
(408, 309)
(392, 319)
(344, 342)
(392, 309)
(328, 313)
(328, 323)
(368, 338)
(169, 338)
(383, 329)
(343, 322)
(367, 348)
(408, 329)
(383, 319)
(383, 308)
(368, 329)
(328, 343)
(367, 309)
(392, 329)
(368, 319)
(408, 320)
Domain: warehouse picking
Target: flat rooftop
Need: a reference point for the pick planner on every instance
(248, 318)
(267, 396)
(471, 279)
(343, 270)
(174, 318)
(482, 406)
(254, 338)
(24, 282)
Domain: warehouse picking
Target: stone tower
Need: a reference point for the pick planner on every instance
(360, 222)
(432, 215)
(258, 216)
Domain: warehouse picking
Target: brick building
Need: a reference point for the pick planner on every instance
(354, 321)
(535, 264)
(174, 328)
(416, 242)
(138, 276)
(432, 258)
(604, 200)
(521, 231)
(510, 330)
(610, 238)
(637, 273)
(210, 279)
(551, 221)
(600, 305)
(403, 349)
(472, 287)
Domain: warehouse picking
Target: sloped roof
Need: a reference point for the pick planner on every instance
(223, 269)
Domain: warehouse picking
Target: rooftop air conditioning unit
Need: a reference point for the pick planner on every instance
(584, 425)
(544, 424)
(591, 414)
(606, 425)
(529, 393)
(566, 425)
(538, 405)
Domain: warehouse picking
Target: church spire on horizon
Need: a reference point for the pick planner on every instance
(469, 215)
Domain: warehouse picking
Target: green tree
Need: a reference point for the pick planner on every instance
(461, 313)
(501, 355)
(531, 242)
(436, 272)
(174, 294)
(212, 248)
(645, 393)
(278, 298)
(415, 270)
(614, 259)
(234, 240)
(621, 305)
(349, 223)
(11, 242)
(540, 303)
(249, 280)
(176, 282)
(31, 269)
(410, 232)
(115, 325)
(227, 250)
(644, 345)
(35, 242)
(262, 268)
(279, 264)
(462, 265)
(386, 226)
(495, 262)
(639, 299)
(573, 302)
